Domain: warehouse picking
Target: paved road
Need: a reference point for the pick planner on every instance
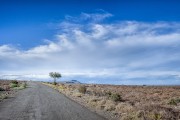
(39, 102)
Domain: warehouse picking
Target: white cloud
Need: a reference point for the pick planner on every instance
(124, 50)
(86, 17)
(95, 17)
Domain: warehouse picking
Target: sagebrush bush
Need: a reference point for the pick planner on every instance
(115, 97)
(82, 89)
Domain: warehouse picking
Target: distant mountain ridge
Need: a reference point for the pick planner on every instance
(72, 82)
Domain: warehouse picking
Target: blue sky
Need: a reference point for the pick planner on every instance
(112, 41)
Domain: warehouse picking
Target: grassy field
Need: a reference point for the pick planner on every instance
(126, 102)
(9, 87)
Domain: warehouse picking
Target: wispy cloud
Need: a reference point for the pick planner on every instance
(88, 46)
(99, 16)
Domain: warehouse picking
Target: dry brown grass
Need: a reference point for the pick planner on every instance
(138, 102)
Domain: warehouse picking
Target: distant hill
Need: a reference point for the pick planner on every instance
(72, 82)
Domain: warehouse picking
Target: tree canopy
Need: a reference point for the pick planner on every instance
(55, 75)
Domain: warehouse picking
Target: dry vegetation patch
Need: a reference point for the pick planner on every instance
(9, 87)
(127, 102)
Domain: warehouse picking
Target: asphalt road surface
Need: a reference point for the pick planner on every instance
(39, 102)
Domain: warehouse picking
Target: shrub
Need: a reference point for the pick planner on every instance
(23, 85)
(2, 89)
(14, 81)
(153, 116)
(115, 97)
(108, 94)
(157, 116)
(110, 106)
(177, 100)
(82, 89)
(174, 101)
(12, 85)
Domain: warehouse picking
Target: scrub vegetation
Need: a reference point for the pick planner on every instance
(126, 102)
(9, 87)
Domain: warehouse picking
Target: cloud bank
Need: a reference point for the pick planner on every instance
(93, 50)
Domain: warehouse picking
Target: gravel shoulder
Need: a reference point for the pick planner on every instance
(40, 102)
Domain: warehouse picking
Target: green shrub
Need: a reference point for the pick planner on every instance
(12, 85)
(14, 81)
(82, 89)
(115, 97)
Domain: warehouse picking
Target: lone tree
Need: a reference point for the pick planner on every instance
(55, 75)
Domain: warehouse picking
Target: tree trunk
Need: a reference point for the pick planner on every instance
(54, 81)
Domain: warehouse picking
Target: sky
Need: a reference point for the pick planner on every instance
(129, 42)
